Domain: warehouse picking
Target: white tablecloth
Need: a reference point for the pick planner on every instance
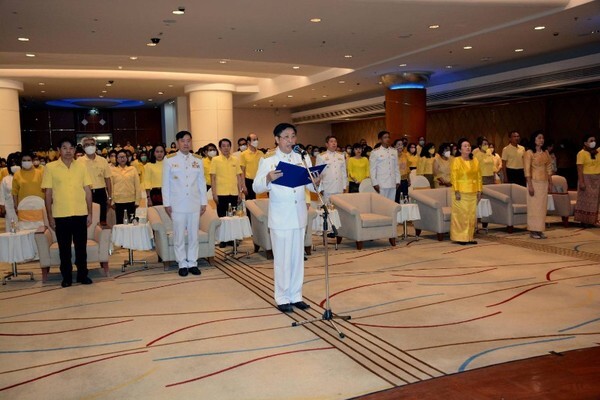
(18, 247)
(334, 218)
(550, 203)
(134, 237)
(408, 212)
(484, 208)
(233, 228)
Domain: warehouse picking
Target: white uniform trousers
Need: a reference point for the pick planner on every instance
(390, 193)
(288, 264)
(182, 223)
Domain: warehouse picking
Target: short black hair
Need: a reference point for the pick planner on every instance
(480, 140)
(380, 134)
(224, 140)
(240, 139)
(513, 131)
(66, 140)
(329, 137)
(282, 127)
(181, 134)
(459, 145)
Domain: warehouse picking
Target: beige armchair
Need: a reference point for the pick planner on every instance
(509, 204)
(162, 225)
(366, 216)
(258, 211)
(564, 199)
(435, 207)
(98, 245)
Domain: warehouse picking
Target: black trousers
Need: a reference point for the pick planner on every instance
(251, 195)
(353, 187)
(517, 176)
(156, 196)
(223, 204)
(120, 209)
(72, 230)
(99, 196)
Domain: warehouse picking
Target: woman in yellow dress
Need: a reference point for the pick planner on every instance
(402, 190)
(465, 176)
(153, 176)
(412, 156)
(126, 187)
(484, 156)
(588, 185)
(358, 168)
(210, 151)
(441, 166)
(538, 173)
(425, 165)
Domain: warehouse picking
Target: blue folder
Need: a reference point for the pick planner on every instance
(295, 175)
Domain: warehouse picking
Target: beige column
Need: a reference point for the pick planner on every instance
(211, 112)
(10, 131)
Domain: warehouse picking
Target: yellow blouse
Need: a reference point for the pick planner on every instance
(206, 164)
(425, 166)
(153, 175)
(538, 166)
(403, 165)
(486, 162)
(358, 169)
(27, 183)
(125, 185)
(413, 160)
(441, 169)
(465, 175)
(590, 166)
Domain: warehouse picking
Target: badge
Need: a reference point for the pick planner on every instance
(175, 177)
(195, 164)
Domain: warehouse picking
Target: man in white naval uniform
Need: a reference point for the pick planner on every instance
(334, 179)
(287, 219)
(383, 163)
(184, 198)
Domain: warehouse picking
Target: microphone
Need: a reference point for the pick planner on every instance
(298, 149)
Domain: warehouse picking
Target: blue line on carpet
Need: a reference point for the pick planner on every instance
(390, 302)
(68, 348)
(464, 365)
(591, 284)
(581, 324)
(61, 308)
(474, 283)
(236, 351)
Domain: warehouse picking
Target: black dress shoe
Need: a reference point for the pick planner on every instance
(194, 271)
(85, 281)
(300, 305)
(287, 308)
(222, 245)
(65, 283)
(183, 271)
(472, 242)
(461, 243)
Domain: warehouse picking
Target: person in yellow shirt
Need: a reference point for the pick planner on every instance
(412, 156)
(153, 176)
(441, 166)
(69, 208)
(512, 160)
(358, 168)
(465, 177)
(226, 178)
(210, 152)
(425, 164)
(588, 184)
(249, 160)
(126, 187)
(27, 181)
(403, 166)
(486, 160)
(100, 173)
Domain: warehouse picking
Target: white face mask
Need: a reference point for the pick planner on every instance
(14, 169)
(26, 164)
(211, 153)
(315, 153)
(243, 147)
(89, 150)
(447, 153)
(592, 145)
(421, 142)
(254, 143)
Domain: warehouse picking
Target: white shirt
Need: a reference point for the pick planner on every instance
(183, 183)
(334, 178)
(384, 169)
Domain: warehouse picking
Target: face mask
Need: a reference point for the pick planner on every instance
(113, 160)
(43, 163)
(348, 151)
(243, 147)
(254, 143)
(592, 145)
(315, 153)
(211, 153)
(484, 147)
(36, 163)
(14, 169)
(26, 164)
(447, 153)
(432, 151)
(89, 150)
(143, 158)
(421, 142)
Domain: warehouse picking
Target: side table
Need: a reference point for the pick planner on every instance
(15, 248)
(408, 212)
(233, 229)
(133, 237)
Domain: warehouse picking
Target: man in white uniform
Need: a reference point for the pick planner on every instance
(184, 198)
(334, 179)
(383, 162)
(287, 219)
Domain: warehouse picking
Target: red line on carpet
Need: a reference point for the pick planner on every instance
(30, 294)
(520, 294)
(361, 286)
(206, 323)
(471, 247)
(248, 362)
(558, 269)
(68, 368)
(444, 276)
(428, 326)
(160, 287)
(69, 330)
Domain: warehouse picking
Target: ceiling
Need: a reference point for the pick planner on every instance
(274, 56)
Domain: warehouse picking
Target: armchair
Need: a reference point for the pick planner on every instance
(162, 225)
(258, 211)
(98, 245)
(509, 204)
(564, 199)
(435, 207)
(366, 216)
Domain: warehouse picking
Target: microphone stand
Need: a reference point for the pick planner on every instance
(328, 315)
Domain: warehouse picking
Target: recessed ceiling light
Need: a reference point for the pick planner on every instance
(42, 91)
(402, 65)
(170, 85)
(448, 66)
(539, 28)
(151, 44)
(348, 56)
(254, 105)
(315, 20)
(149, 99)
(341, 81)
(259, 50)
(101, 96)
(161, 92)
(109, 84)
(270, 101)
(104, 91)
(120, 67)
(23, 39)
(222, 61)
(133, 58)
(324, 95)
(486, 58)
(518, 50)
(433, 26)
(30, 55)
(41, 83)
(296, 67)
(468, 47)
(179, 11)
(290, 95)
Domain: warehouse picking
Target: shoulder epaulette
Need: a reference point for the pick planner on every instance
(171, 155)
(270, 153)
(196, 155)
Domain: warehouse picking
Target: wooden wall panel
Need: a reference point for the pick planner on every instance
(352, 132)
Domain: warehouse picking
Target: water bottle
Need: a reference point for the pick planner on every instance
(229, 210)
(125, 218)
(13, 226)
(243, 207)
(401, 198)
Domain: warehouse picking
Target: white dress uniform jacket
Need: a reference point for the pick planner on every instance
(334, 178)
(384, 169)
(183, 183)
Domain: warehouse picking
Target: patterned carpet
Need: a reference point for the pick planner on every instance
(420, 310)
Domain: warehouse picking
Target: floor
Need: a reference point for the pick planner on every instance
(422, 312)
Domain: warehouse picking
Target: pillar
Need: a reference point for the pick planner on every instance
(406, 104)
(10, 137)
(211, 113)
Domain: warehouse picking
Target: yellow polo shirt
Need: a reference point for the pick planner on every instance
(27, 182)
(153, 175)
(513, 156)
(413, 160)
(590, 166)
(206, 164)
(486, 162)
(126, 185)
(67, 184)
(358, 169)
(226, 171)
(98, 169)
(249, 160)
